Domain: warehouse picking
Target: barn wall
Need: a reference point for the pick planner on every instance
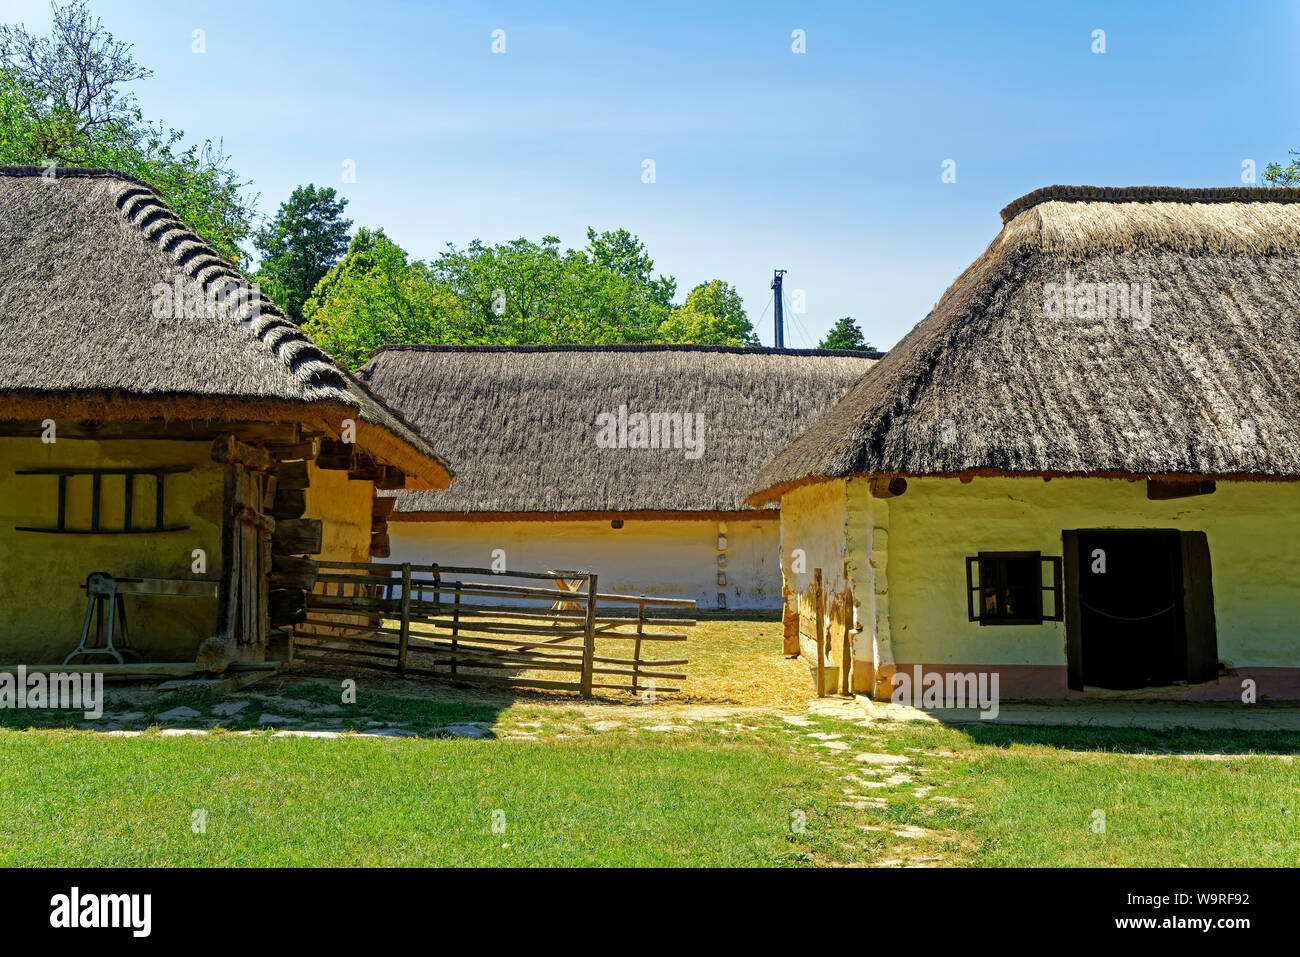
(1252, 530)
(813, 537)
(671, 558)
(343, 507)
(41, 602)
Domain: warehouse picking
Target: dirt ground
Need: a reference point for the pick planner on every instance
(734, 665)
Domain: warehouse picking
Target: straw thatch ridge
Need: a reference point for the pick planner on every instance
(997, 380)
(85, 253)
(519, 423)
(630, 347)
(1148, 194)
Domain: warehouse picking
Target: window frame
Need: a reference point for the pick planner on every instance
(973, 563)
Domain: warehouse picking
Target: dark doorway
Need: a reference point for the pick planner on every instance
(1140, 608)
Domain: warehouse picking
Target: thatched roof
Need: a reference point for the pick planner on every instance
(83, 255)
(519, 423)
(1000, 378)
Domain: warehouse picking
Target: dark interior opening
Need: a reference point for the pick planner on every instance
(1131, 608)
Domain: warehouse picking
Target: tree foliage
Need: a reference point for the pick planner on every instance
(300, 245)
(1275, 174)
(713, 314)
(64, 101)
(374, 296)
(845, 334)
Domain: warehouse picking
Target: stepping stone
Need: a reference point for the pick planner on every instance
(130, 716)
(473, 730)
(910, 831)
(229, 709)
(275, 719)
(667, 727)
(307, 734)
(824, 735)
(392, 733)
(178, 714)
(798, 720)
(123, 734)
(181, 732)
(944, 798)
(868, 757)
(833, 745)
(605, 725)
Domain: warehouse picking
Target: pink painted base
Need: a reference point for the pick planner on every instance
(1050, 683)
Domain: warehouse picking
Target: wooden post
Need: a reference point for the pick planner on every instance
(846, 666)
(589, 639)
(821, 648)
(455, 626)
(640, 627)
(406, 619)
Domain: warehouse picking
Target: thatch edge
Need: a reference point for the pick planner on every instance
(1149, 194)
(651, 515)
(774, 494)
(628, 347)
(324, 382)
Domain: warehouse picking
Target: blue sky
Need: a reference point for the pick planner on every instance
(826, 163)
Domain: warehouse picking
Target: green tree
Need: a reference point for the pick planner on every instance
(845, 334)
(1275, 174)
(526, 292)
(713, 314)
(623, 253)
(375, 296)
(300, 245)
(64, 101)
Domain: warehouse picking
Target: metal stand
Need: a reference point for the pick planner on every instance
(105, 605)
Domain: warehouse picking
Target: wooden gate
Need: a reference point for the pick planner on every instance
(477, 626)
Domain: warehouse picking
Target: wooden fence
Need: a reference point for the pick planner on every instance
(477, 626)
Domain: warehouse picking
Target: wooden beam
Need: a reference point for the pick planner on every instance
(380, 547)
(180, 430)
(382, 507)
(336, 456)
(367, 469)
(287, 606)
(305, 450)
(289, 503)
(289, 571)
(297, 536)
(292, 475)
(393, 478)
(230, 451)
(1159, 490)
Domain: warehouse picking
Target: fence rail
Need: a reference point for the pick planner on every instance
(415, 620)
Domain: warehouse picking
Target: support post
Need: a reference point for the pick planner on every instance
(819, 633)
(455, 627)
(640, 628)
(589, 638)
(406, 619)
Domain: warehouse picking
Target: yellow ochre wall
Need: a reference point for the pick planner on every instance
(670, 558)
(345, 507)
(907, 555)
(41, 601)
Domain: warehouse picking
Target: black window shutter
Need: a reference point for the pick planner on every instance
(1198, 609)
(1073, 627)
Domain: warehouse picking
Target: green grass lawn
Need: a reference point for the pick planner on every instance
(80, 799)
(740, 789)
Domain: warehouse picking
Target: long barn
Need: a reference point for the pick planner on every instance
(630, 461)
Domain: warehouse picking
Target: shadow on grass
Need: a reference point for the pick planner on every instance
(1134, 740)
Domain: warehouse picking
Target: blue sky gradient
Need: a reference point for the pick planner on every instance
(825, 163)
